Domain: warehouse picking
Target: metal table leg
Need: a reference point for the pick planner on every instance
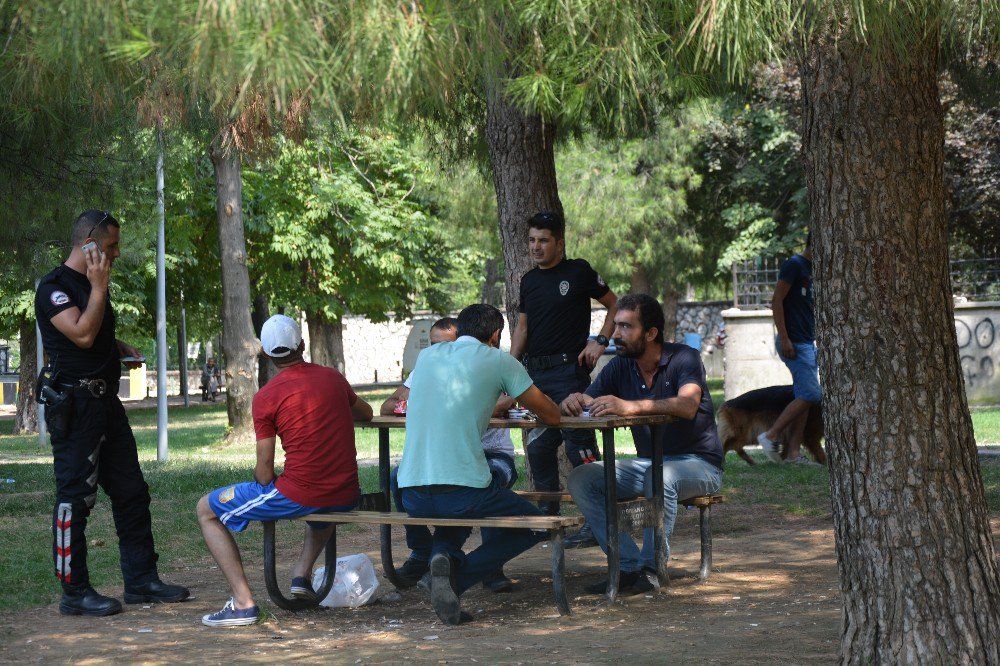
(385, 531)
(611, 511)
(659, 552)
(559, 570)
(271, 577)
(705, 522)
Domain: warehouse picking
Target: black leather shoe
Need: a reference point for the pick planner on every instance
(629, 583)
(412, 571)
(497, 582)
(88, 602)
(155, 591)
(582, 539)
(444, 599)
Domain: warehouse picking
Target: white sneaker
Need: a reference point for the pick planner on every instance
(770, 447)
(802, 460)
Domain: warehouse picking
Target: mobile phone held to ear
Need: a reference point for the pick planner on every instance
(92, 246)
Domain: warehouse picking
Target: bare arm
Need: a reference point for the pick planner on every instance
(781, 290)
(684, 405)
(264, 471)
(504, 403)
(361, 410)
(82, 327)
(541, 404)
(519, 337)
(389, 406)
(592, 352)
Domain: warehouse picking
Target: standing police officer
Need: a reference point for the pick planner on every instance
(92, 443)
(551, 340)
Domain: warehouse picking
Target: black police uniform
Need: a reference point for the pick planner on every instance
(557, 303)
(92, 442)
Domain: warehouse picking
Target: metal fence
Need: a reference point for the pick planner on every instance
(753, 283)
(976, 279)
(754, 280)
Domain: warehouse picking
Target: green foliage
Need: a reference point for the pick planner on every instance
(336, 224)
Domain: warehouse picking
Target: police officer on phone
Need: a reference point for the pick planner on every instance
(92, 443)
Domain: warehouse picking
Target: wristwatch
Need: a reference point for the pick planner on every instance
(601, 340)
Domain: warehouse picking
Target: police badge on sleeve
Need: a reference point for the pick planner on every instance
(59, 298)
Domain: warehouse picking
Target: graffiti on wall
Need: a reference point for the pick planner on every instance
(977, 346)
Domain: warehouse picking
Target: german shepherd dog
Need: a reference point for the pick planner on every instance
(744, 417)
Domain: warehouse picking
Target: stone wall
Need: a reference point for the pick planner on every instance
(751, 360)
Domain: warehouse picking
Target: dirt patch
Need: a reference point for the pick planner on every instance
(773, 596)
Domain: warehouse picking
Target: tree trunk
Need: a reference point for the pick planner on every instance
(260, 314)
(27, 409)
(524, 176)
(917, 566)
(669, 305)
(326, 340)
(238, 341)
(491, 275)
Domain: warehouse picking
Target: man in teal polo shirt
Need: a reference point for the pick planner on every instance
(454, 388)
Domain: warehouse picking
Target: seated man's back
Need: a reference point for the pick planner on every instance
(309, 407)
(454, 390)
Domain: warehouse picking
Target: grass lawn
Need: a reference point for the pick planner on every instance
(199, 462)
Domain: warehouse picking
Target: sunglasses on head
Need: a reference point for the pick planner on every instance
(102, 221)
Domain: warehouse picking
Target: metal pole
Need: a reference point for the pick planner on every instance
(40, 360)
(182, 332)
(161, 307)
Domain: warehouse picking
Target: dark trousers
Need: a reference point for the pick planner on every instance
(98, 449)
(499, 545)
(418, 537)
(581, 445)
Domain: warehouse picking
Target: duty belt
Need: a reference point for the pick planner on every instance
(88, 388)
(535, 363)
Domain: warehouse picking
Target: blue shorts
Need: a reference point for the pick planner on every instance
(237, 505)
(805, 373)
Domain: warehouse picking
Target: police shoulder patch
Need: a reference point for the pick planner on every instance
(59, 298)
(228, 494)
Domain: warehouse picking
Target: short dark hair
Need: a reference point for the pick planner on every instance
(650, 312)
(480, 321)
(92, 223)
(445, 324)
(554, 222)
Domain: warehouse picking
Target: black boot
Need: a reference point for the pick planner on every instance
(155, 591)
(86, 601)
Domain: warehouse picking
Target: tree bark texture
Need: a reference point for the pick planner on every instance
(26, 419)
(524, 176)
(258, 315)
(669, 305)
(917, 565)
(492, 272)
(326, 340)
(239, 343)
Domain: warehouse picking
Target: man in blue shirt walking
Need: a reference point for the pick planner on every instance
(795, 322)
(649, 376)
(444, 474)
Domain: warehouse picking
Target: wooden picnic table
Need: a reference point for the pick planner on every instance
(607, 427)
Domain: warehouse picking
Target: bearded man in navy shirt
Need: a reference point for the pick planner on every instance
(649, 376)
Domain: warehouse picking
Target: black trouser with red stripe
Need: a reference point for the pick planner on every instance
(99, 449)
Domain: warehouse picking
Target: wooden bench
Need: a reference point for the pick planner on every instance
(555, 525)
(703, 503)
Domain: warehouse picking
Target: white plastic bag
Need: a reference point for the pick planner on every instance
(355, 584)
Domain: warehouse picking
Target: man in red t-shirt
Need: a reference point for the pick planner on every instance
(313, 409)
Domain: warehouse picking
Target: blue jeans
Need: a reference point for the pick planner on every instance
(805, 372)
(499, 545)
(684, 476)
(581, 445)
(418, 538)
